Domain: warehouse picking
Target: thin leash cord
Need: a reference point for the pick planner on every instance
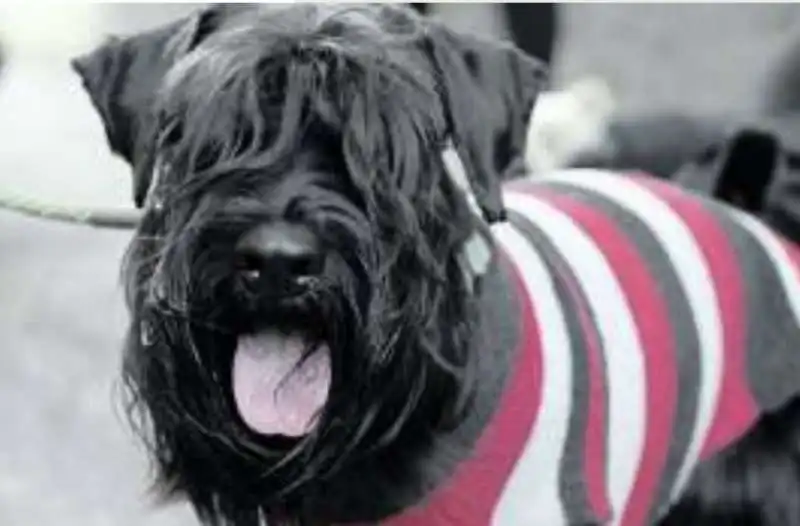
(126, 219)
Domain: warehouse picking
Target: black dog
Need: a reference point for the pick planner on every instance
(324, 331)
(315, 83)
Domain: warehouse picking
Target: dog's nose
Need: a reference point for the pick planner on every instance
(285, 254)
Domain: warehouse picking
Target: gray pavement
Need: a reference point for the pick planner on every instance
(65, 456)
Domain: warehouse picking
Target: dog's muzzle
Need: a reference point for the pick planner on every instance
(281, 376)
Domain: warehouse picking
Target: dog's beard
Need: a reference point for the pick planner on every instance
(250, 401)
(388, 323)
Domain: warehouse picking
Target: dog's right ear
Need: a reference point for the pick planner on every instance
(488, 90)
(122, 78)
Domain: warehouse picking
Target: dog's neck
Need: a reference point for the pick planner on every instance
(404, 477)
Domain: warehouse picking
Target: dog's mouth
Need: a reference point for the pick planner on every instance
(281, 382)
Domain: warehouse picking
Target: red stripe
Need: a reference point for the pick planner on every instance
(595, 437)
(736, 407)
(470, 496)
(651, 316)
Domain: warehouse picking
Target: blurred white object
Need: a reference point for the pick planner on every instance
(567, 121)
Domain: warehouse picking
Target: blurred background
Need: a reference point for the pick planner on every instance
(66, 456)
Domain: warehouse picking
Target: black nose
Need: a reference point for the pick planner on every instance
(285, 256)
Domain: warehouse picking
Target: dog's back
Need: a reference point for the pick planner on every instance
(681, 316)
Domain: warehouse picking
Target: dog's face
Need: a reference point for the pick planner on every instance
(301, 311)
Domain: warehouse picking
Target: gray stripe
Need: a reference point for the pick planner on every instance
(773, 336)
(681, 321)
(572, 484)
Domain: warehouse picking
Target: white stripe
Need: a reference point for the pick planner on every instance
(681, 247)
(531, 495)
(777, 253)
(621, 344)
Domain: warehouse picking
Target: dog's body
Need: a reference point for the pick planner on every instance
(654, 327)
(681, 317)
(325, 331)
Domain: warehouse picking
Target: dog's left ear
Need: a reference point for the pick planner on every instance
(488, 90)
(122, 78)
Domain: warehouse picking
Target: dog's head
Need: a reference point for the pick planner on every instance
(301, 307)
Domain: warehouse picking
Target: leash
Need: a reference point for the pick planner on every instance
(122, 219)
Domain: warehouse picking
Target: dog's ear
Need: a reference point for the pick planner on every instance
(122, 78)
(488, 90)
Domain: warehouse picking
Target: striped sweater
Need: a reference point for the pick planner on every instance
(656, 326)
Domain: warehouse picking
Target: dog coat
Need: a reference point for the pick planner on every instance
(656, 326)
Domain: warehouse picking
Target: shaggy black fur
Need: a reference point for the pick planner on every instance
(534, 27)
(122, 78)
(482, 86)
(754, 482)
(333, 118)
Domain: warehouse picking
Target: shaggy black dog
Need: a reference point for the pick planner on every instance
(326, 330)
(324, 118)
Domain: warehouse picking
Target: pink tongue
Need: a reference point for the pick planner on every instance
(275, 393)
